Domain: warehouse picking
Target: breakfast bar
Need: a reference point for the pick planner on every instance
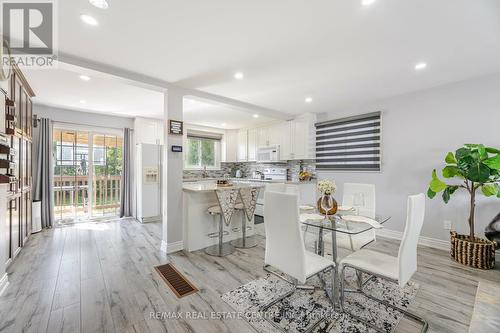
(199, 225)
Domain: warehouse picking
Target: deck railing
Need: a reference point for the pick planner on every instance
(71, 195)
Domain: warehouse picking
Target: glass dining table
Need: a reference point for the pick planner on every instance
(335, 223)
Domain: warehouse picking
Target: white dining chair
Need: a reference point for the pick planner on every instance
(362, 198)
(285, 250)
(307, 233)
(395, 269)
(283, 188)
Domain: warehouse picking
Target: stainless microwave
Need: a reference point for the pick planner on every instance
(268, 154)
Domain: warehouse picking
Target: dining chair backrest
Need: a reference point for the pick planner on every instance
(285, 249)
(407, 257)
(283, 188)
(360, 196)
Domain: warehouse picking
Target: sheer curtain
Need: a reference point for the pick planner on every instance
(44, 190)
(126, 197)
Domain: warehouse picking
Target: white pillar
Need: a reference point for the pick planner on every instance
(172, 234)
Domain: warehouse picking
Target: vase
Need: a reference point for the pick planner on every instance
(332, 210)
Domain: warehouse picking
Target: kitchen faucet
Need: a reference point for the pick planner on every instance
(204, 173)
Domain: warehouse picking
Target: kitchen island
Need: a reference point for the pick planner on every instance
(198, 224)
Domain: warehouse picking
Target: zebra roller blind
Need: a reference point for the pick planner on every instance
(351, 143)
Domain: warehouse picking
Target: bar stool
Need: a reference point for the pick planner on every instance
(248, 203)
(225, 209)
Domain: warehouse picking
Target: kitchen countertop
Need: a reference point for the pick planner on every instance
(193, 180)
(212, 186)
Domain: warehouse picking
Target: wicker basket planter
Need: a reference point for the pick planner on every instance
(477, 254)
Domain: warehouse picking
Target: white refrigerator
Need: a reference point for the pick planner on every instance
(149, 160)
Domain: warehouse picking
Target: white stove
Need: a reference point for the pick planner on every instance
(272, 175)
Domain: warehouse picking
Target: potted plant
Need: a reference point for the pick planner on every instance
(475, 167)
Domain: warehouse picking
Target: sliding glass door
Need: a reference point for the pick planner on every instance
(71, 186)
(107, 153)
(87, 175)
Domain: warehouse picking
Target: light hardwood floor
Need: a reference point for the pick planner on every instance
(99, 277)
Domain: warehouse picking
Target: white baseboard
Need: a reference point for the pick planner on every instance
(172, 247)
(4, 282)
(425, 241)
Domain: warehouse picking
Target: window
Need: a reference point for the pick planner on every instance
(202, 152)
(349, 143)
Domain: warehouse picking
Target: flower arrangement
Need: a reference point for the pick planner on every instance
(305, 175)
(327, 187)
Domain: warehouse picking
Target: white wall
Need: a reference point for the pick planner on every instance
(418, 129)
(82, 118)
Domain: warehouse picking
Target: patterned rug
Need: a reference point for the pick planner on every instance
(302, 310)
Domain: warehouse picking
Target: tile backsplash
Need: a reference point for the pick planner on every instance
(247, 169)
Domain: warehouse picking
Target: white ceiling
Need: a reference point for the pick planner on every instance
(63, 88)
(338, 52)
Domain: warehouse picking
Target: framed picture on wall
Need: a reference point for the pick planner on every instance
(175, 127)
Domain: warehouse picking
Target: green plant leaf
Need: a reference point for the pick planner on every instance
(489, 189)
(465, 163)
(450, 158)
(452, 188)
(482, 152)
(461, 153)
(451, 171)
(446, 195)
(430, 193)
(493, 162)
(436, 184)
(478, 173)
(492, 150)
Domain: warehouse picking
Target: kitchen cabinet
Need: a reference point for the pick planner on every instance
(286, 141)
(242, 145)
(252, 145)
(262, 137)
(303, 137)
(17, 125)
(295, 138)
(148, 131)
(231, 143)
(14, 227)
(275, 134)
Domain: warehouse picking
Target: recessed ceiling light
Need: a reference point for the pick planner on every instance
(256, 116)
(89, 19)
(102, 4)
(367, 2)
(83, 101)
(308, 99)
(223, 124)
(238, 75)
(85, 77)
(420, 66)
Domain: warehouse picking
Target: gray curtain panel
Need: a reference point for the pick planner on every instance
(126, 197)
(44, 189)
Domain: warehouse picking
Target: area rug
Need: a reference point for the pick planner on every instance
(303, 310)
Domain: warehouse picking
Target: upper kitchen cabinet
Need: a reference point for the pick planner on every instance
(231, 143)
(302, 137)
(242, 145)
(276, 132)
(285, 131)
(262, 137)
(148, 130)
(252, 145)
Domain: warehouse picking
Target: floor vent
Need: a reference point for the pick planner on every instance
(175, 280)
